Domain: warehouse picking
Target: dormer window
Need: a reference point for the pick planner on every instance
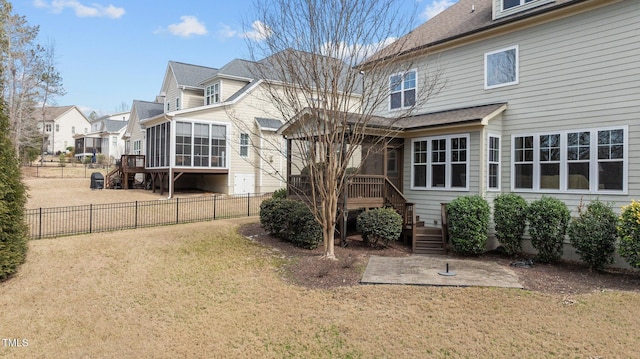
(502, 8)
(212, 94)
(508, 4)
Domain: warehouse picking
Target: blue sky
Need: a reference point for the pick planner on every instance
(110, 52)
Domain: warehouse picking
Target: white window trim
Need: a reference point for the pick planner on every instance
(402, 90)
(499, 162)
(219, 83)
(593, 160)
(448, 163)
(523, 6)
(517, 79)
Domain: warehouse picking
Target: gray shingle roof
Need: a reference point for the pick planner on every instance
(113, 125)
(51, 112)
(268, 123)
(191, 75)
(146, 109)
(449, 117)
(458, 21)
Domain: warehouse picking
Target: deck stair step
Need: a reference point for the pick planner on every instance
(428, 241)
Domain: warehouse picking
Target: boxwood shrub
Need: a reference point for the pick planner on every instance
(548, 219)
(380, 224)
(510, 218)
(291, 221)
(593, 234)
(468, 219)
(629, 233)
(280, 193)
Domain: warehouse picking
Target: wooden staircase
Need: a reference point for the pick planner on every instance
(424, 240)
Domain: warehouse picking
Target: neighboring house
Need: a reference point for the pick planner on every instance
(105, 137)
(61, 124)
(542, 97)
(209, 129)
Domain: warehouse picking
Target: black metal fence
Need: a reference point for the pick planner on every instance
(93, 218)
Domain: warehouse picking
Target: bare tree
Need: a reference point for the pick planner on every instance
(311, 55)
(50, 85)
(29, 78)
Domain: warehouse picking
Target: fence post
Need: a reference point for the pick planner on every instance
(248, 204)
(177, 210)
(90, 218)
(40, 225)
(214, 206)
(135, 221)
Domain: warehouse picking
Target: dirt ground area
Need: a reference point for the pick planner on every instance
(45, 192)
(307, 268)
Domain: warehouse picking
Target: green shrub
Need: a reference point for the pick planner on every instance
(291, 221)
(380, 224)
(13, 232)
(548, 218)
(273, 215)
(629, 233)
(280, 193)
(510, 217)
(593, 234)
(302, 230)
(468, 224)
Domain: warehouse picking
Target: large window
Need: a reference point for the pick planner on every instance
(218, 145)
(441, 162)
(157, 145)
(137, 147)
(593, 160)
(501, 67)
(183, 143)
(493, 163)
(201, 145)
(212, 94)
(403, 90)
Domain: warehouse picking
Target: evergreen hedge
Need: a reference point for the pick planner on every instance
(13, 232)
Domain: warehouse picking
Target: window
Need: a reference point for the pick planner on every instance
(493, 161)
(73, 129)
(114, 141)
(212, 94)
(168, 106)
(137, 147)
(244, 145)
(57, 128)
(591, 160)
(177, 103)
(441, 162)
(48, 127)
(501, 68)
(218, 145)
(201, 145)
(508, 4)
(183, 144)
(403, 90)
(157, 145)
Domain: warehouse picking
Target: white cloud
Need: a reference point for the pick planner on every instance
(226, 31)
(81, 10)
(260, 31)
(436, 7)
(190, 25)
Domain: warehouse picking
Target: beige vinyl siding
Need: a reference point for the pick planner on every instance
(172, 93)
(192, 98)
(579, 72)
(229, 87)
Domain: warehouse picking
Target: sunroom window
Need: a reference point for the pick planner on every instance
(441, 162)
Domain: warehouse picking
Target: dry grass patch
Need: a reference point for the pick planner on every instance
(202, 290)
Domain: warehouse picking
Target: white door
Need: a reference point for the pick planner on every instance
(244, 183)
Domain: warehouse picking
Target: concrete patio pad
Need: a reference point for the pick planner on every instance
(423, 270)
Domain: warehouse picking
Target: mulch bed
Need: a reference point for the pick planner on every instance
(309, 269)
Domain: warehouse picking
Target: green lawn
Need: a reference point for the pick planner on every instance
(200, 290)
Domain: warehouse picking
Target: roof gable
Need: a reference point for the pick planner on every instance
(188, 75)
